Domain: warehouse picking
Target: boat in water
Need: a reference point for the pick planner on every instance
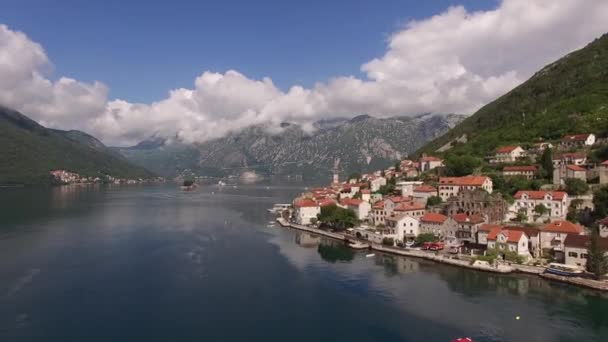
(463, 339)
(370, 255)
(279, 207)
(563, 270)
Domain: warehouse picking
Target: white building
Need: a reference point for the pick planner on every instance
(509, 240)
(405, 226)
(305, 210)
(376, 182)
(407, 187)
(573, 158)
(576, 249)
(508, 154)
(565, 171)
(556, 203)
(427, 163)
(576, 140)
(603, 226)
(361, 208)
(451, 186)
(553, 235)
(528, 171)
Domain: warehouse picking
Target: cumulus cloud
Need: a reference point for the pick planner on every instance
(455, 61)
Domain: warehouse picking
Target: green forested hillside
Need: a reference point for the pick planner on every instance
(28, 151)
(567, 96)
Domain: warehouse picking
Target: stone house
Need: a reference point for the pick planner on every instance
(478, 201)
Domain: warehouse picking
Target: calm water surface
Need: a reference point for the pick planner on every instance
(151, 263)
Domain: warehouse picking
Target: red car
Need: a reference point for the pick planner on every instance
(426, 245)
(436, 246)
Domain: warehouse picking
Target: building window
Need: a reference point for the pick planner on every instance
(583, 256)
(573, 254)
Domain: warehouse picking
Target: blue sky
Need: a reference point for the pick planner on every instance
(196, 70)
(143, 49)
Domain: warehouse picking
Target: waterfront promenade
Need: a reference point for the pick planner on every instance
(500, 268)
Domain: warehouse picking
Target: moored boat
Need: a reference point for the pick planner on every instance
(563, 270)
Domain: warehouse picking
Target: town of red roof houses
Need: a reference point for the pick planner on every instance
(470, 217)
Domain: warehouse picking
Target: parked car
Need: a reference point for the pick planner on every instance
(427, 245)
(436, 246)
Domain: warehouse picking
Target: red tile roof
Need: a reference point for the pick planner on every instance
(326, 202)
(409, 206)
(399, 199)
(539, 194)
(575, 137)
(524, 168)
(506, 149)
(304, 203)
(425, 188)
(464, 218)
(583, 241)
(366, 191)
(570, 155)
(563, 227)
(575, 168)
(466, 180)
(433, 218)
(513, 236)
(378, 205)
(487, 227)
(351, 201)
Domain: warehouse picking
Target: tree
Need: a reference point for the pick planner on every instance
(398, 166)
(597, 262)
(433, 201)
(337, 218)
(546, 163)
(521, 217)
(457, 166)
(540, 209)
(600, 202)
(188, 182)
(387, 241)
(576, 187)
(426, 237)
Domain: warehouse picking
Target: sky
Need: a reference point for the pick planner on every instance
(195, 70)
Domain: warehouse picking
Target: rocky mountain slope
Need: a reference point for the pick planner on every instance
(360, 144)
(28, 151)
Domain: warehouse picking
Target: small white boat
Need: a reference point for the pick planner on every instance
(370, 255)
(563, 270)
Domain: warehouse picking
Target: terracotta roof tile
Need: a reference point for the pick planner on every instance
(433, 218)
(539, 194)
(563, 227)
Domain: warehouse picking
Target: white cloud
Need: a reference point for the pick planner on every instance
(455, 61)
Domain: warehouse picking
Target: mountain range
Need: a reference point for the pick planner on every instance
(29, 151)
(358, 144)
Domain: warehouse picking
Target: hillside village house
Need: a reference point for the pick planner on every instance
(577, 140)
(451, 186)
(508, 154)
(366, 195)
(553, 235)
(376, 182)
(532, 234)
(509, 240)
(407, 187)
(463, 228)
(360, 207)
(378, 213)
(541, 146)
(423, 192)
(492, 206)
(305, 210)
(556, 203)
(528, 171)
(411, 208)
(406, 227)
(576, 249)
(574, 158)
(565, 171)
(433, 223)
(427, 163)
